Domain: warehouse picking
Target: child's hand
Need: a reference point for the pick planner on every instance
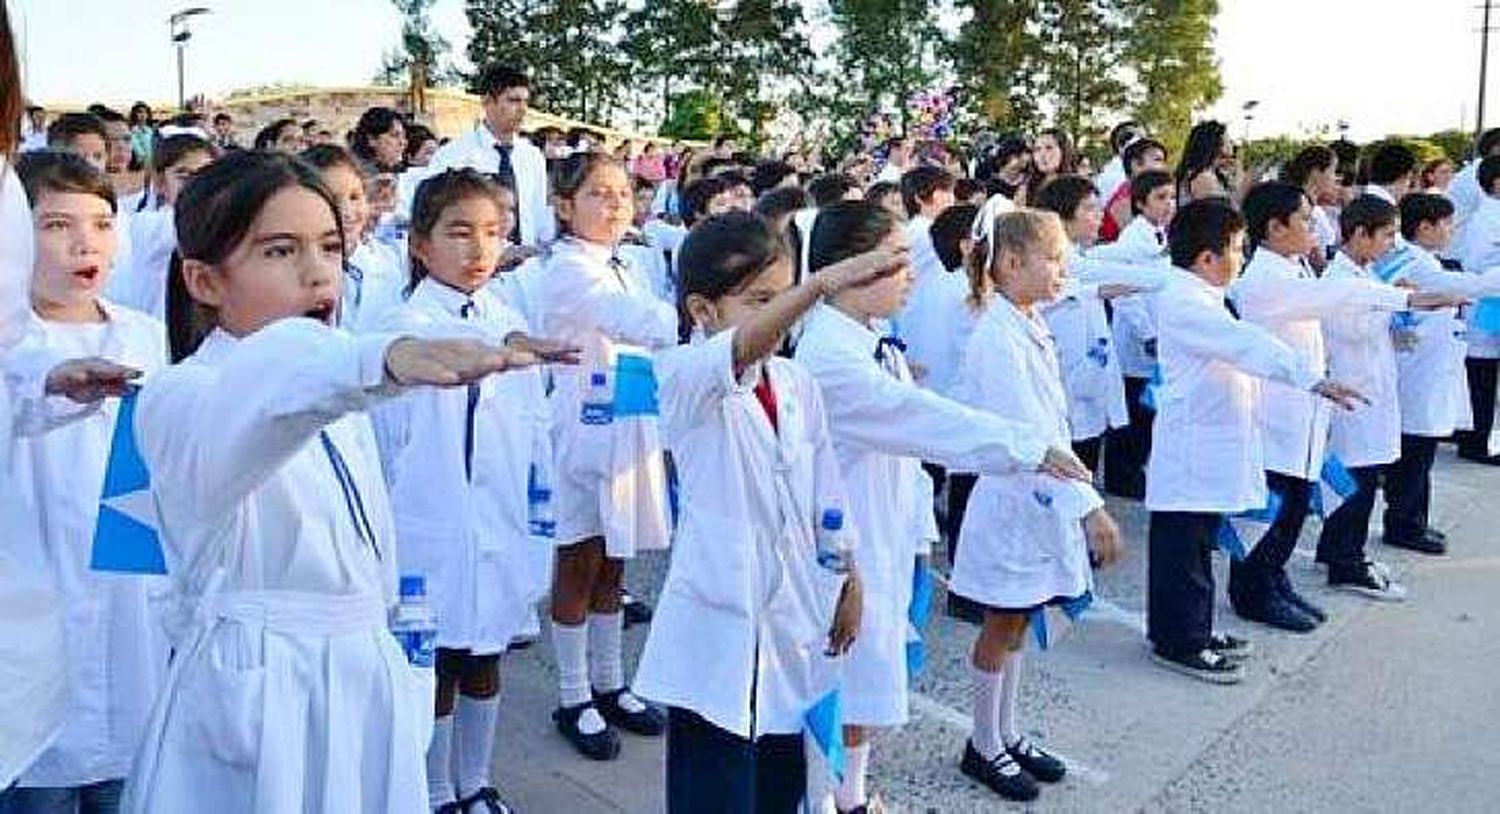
(1105, 546)
(89, 380)
(846, 616)
(1063, 464)
(859, 270)
(449, 362)
(547, 350)
(1341, 394)
(1432, 300)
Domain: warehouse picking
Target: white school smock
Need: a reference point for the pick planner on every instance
(1362, 356)
(1478, 244)
(468, 534)
(1016, 549)
(476, 150)
(375, 279)
(1143, 245)
(140, 280)
(883, 425)
(1465, 193)
(611, 479)
(935, 321)
(1432, 380)
(520, 289)
(743, 619)
(1282, 295)
(117, 648)
(32, 677)
(1112, 174)
(1206, 452)
(288, 692)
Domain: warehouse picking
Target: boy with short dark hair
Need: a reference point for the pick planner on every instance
(83, 134)
(1392, 169)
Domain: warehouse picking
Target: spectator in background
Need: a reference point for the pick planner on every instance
(650, 164)
(223, 135)
(379, 140)
(142, 135)
(1436, 175)
(421, 143)
(282, 135)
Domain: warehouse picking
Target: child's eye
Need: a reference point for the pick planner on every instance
(279, 251)
(333, 247)
(54, 225)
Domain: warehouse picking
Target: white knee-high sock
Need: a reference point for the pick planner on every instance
(986, 728)
(851, 793)
(439, 769)
(606, 671)
(571, 645)
(474, 731)
(1010, 730)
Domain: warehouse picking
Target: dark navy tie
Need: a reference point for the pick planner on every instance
(505, 176)
(473, 404)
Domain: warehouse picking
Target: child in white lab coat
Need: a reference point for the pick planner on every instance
(374, 272)
(1206, 459)
(1362, 354)
(737, 648)
(286, 690)
(883, 425)
(1026, 540)
(142, 283)
(610, 488)
(1280, 292)
(117, 649)
(461, 466)
(1477, 249)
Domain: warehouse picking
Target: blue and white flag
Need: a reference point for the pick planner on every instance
(1149, 394)
(1335, 485)
(917, 613)
(823, 747)
(1229, 538)
(125, 537)
(1064, 615)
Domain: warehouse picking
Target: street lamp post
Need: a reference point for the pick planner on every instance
(1249, 108)
(178, 24)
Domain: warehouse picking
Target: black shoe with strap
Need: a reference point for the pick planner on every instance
(1230, 647)
(1422, 544)
(1037, 763)
(1002, 774)
(601, 745)
(1204, 665)
(648, 720)
(1284, 587)
(485, 801)
(633, 611)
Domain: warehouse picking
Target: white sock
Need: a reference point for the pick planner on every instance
(439, 784)
(986, 728)
(570, 643)
(851, 793)
(605, 669)
(474, 729)
(1010, 731)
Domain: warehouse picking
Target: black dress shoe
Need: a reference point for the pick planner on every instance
(1284, 588)
(648, 721)
(601, 745)
(1003, 775)
(1422, 545)
(485, 801)
(1479, 457)
(634, 611)
(1230, 647)
(1037, 763)
(1434, 534)
(1278, 613)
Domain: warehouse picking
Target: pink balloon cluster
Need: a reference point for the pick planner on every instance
(930, 113)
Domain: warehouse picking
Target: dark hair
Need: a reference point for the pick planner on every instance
(1431, 168)
(268, 135)
(949, 230)
(416, 136)
(721, 138)
(434, 195)
(1205, 225)
(12, 101)
(497, 78)
(1201, 151)
(1270, 201)
(1143, 184)
(1309, 159)
(327, 156)
(1390, 162)
(718, 166)
(919, 183)
(377, 121)
(56, 171)
(831, 187)
(881, 190)
(140, 107)
(1063, 195)
(1120, 134)
(214, 214)
(721, 254)
(1348, 154)
(696, 197)
(1367, 212)
(781, 201)
(966, 188)
(172, 149)
(1136, 150)
(222, 116)
(573, 172)
(846, 229)
(1423, 207)
(1489, 170)
(1488, 142)
(69, 126)
(108, 114)
(1069, 158)
(769, 175)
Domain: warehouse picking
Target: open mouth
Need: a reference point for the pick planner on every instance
(322, 312)
(87, 274)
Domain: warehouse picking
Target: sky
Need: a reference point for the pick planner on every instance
(1416, 64)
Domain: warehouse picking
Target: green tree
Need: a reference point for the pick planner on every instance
(763, 62)
(677, 51)
(422, 59)
(1169, 48)
(1083, 43)
(886, 51)
(997, 59)
(696, 116)
(570, 50)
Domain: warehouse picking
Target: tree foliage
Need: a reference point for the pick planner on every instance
(423, 53)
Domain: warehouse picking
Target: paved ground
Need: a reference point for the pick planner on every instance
(1386, 708)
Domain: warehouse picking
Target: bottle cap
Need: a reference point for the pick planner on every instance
(413, 586)
(597, 379)
(833, 519)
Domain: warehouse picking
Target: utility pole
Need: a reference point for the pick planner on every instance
(1484, 63)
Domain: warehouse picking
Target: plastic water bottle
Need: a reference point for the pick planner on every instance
(413, 625)
(598, 400)
(832, 553)
(539, 504)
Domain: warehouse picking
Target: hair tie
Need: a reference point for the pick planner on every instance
(805, 220)
(984, 224)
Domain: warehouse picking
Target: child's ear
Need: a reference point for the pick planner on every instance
(203, 282)
(701, 310)
(564, 208)
(420, 247)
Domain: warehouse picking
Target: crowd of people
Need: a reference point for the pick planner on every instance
(506, 363)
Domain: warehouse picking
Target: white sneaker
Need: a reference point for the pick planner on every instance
(1373, 581)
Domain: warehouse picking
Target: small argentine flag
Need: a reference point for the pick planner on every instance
(1229, 538)
(1335, 485)
(1071, 609)
(917, 612)
(823, 745)
(125, 536)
